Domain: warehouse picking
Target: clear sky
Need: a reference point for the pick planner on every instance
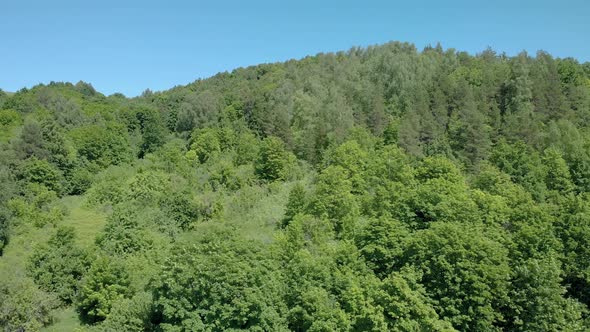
(128, 46)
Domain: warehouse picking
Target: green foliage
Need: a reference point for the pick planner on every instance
(558, 176)
(30, 141)
(351, 157)
(218, 286)
(198, 111)
(123, 233)
(149, 186)
(247, 146)
(333, 198)
(441, 200)
(80, 180)
(224, 174)
(438, 168)
(181, 207)
(59, 265)
(564, 136)
(9, 188)
(523, 165)
(85, 89)
(106, 282)
(42, 172)
(131, 315)
(470, 134)
(38, 207)
(24, 307)
(379, 189)
(9, 117)
(440, 194)
(381, 243)
(312, 300)
(104, 145)
(538, 299)
(170, 157)
(573, 228)
(465, 273)
(406, 306)
(61, 154)
(152, 129)
(206, 144)
(274, 162)
(391, 132)
(4, 228)
(107, 188)
(297, 203)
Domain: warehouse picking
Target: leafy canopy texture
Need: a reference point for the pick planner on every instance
(376, 189)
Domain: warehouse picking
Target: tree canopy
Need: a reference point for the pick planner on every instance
(376, 189)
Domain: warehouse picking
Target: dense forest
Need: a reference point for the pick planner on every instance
(378, 189)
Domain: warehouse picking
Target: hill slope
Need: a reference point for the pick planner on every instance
(380, 189)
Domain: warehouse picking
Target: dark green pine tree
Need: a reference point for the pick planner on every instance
(520, 121)
(469, 133)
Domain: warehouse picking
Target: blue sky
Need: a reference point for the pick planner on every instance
(128, 46)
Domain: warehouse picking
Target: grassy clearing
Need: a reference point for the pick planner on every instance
(22, 242)
(66, 319)
(25, 237)
(86, 221)
(256, 210)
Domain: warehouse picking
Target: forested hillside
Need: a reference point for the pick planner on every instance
(378, 189)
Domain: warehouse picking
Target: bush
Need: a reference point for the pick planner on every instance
(4, 227)
(123, 234)
(42, 172)
(102, 145)
(465, 273)
(221, 285)
(107, 187)
(149, 186)
(9, 117)
(80, 181)
(24, 307)
(39, 207)
(274, 161)
(206, 144)
(59, 265)
(132, 315)
(181, 207)
(106, 282)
